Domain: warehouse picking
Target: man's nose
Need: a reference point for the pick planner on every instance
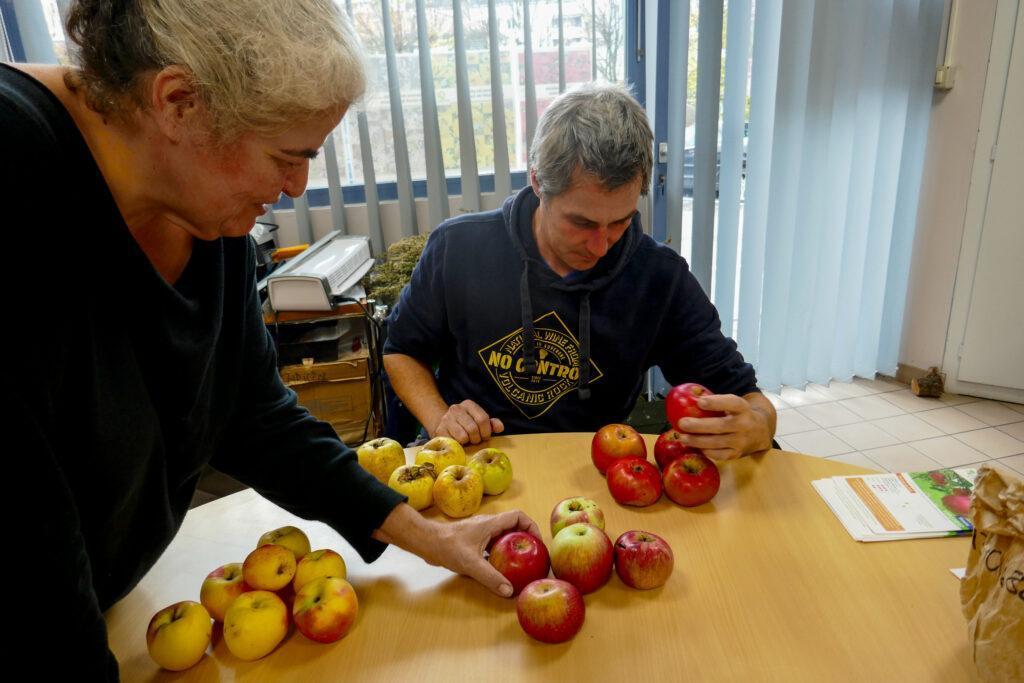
(599, 242)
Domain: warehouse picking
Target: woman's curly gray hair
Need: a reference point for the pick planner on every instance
(258, 65)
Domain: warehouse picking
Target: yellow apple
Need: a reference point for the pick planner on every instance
(178, 635)
(221, 587)
(458, 491)
(325, 609)
(269, 568)
(317, 564)
(416, 482)
(254, 625)
(494, 468)
(381, 457)
(290, 537)
(441, 452)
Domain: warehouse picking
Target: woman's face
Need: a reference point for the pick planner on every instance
(221, 189)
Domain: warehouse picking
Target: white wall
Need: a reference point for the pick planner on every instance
(949, 158)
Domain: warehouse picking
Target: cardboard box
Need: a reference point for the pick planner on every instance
(338, 393)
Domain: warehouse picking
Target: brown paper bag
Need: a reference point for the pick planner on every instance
(992, 592)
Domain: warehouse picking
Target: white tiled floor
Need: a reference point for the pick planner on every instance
(879, 424)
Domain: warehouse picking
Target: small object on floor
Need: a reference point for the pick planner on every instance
(928, 386)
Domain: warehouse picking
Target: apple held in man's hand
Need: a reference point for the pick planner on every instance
(415, 482)
(325, 609)
(254, 624)
(691, 479)
(633, 481)
(582, 554)
(670, 446)
(576, 510)
(290, 537)
(616, 441)
(221, 587)
(681, 402)
(550, 610)
(318, 564)
(494, 468)
(270, 567)
(521, 558)
(458, 491)
(177, 636)
(643, 560)
(442, 452)
(381, 457)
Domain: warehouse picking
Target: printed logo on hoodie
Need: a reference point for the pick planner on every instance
(558, 366)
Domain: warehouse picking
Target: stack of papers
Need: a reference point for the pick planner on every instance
(899, 505)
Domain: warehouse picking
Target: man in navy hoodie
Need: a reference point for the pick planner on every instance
(544, 316)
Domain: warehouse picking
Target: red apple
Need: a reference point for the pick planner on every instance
(682, 402)
(325, 609)
(668, 447)
(633, 481)
(521, 558)
(616, 441)
(643, 560)
(582, 554)
(550, 610)
(221, 587)
(691, 479)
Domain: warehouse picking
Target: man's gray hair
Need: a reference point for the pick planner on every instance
(600, 129)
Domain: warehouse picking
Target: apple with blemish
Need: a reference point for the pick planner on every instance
(221, 587)
(575, 510)
(319, 564)
(255, 624)
(177, 636)
(290, 537)
(325, 609)
(381, 457)
(270, 567)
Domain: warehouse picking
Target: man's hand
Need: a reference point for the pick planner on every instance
(747, 427)
(458, 546)
(467, 422)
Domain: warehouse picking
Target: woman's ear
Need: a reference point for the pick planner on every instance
(174, 102)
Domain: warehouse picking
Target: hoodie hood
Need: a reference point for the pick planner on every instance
(598, 277)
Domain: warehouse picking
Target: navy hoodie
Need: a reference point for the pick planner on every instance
(550, 354)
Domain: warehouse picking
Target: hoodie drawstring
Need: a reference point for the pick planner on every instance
(529, 352)
(584, 388)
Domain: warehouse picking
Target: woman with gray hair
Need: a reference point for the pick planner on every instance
(137, 175)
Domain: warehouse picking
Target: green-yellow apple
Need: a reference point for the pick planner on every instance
(442, 452)
(290, 537)
(573, 511)
(325, 609)
(178, 635)
(381, 457)
(458, 491)
(269, 568)
(495, 469)
(254, 624)
(415, 482)
(582, 555)
(221, 587)
(317, 564)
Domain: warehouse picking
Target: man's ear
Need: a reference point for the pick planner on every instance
(533, 182)
(174, 102)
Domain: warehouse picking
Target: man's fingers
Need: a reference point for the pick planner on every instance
(705, 425)
(709, 442)
(482, 420)
(722, 453)
(497, 426)
(451, 428)
(468, 424)
(728, 403)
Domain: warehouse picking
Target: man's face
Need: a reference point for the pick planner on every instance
(578, 227)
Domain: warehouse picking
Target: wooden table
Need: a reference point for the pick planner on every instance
(767, 586)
